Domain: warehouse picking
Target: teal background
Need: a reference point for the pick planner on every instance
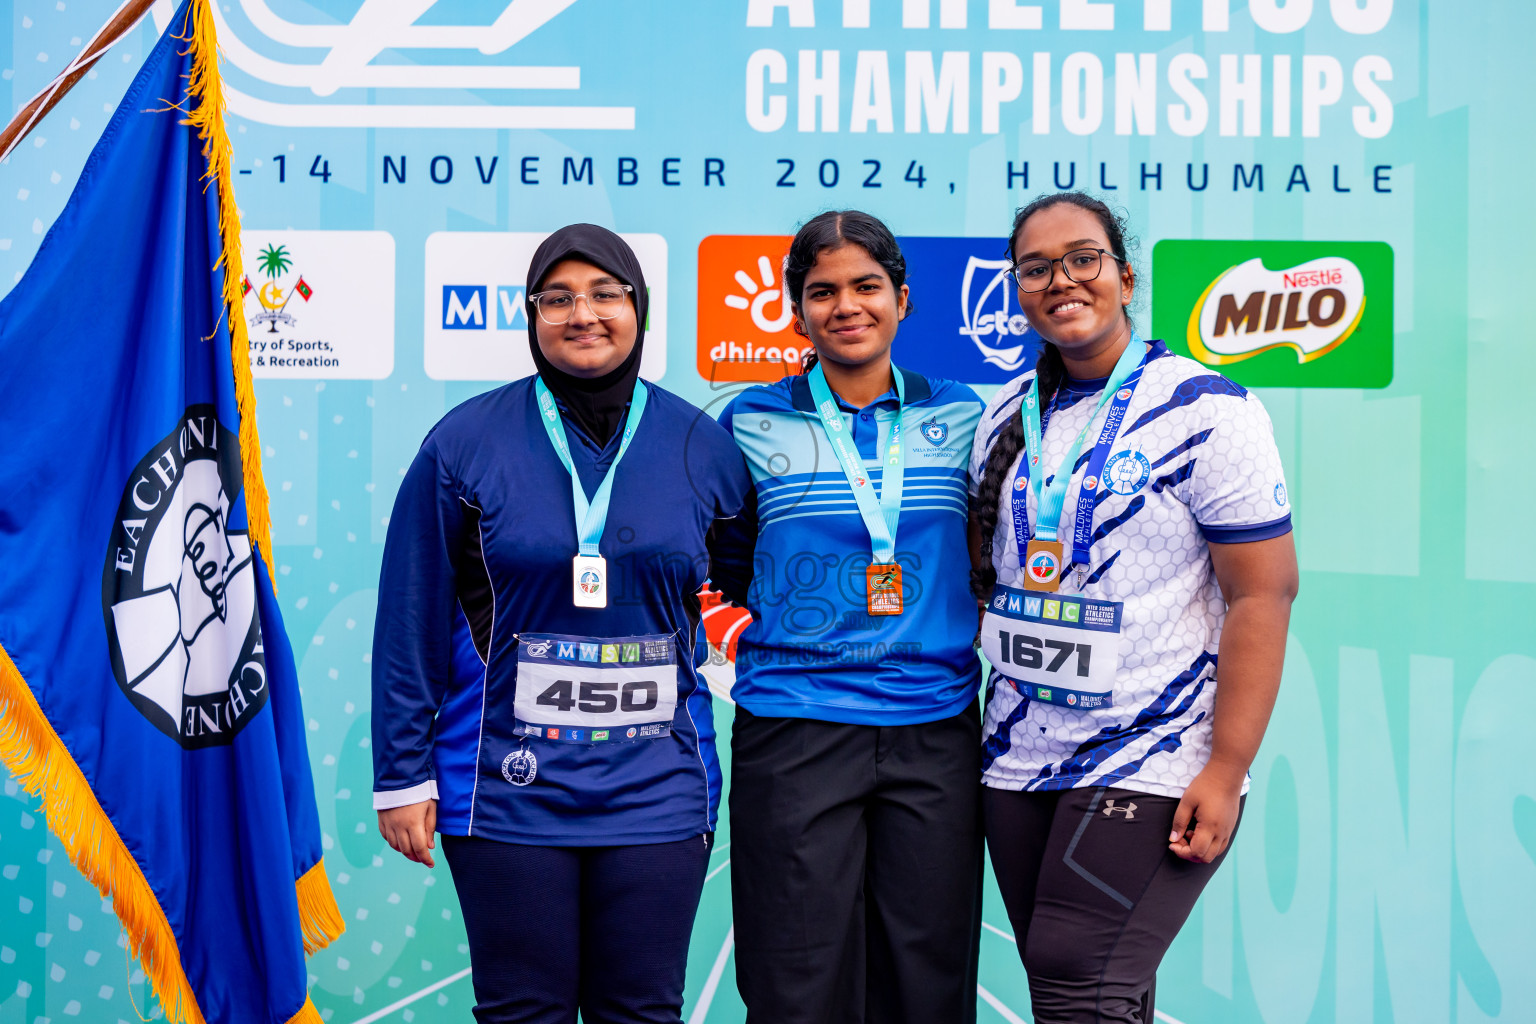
(1386, 868)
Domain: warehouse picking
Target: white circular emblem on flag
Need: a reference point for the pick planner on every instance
(178, 588)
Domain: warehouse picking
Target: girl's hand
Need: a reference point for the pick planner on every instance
(411, 830)
(1207, 815)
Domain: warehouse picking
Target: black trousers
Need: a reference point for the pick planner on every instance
(554, 929)
(856, 870)
(1094, 896)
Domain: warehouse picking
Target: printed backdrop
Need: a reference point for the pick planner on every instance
(1331, 208)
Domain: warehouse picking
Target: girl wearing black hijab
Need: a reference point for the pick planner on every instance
(536, 698)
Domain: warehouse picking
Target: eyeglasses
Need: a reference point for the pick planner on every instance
(605, 301)
(1080, 265)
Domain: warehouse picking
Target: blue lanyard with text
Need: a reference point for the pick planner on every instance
(591, 517)
(879, 519)
(1049, 500)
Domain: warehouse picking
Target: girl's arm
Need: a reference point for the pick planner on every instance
(1259, 581)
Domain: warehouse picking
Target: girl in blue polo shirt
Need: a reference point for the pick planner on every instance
(856, 849)
(536, 698)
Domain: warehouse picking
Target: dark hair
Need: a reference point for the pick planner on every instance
(1049, 373)
(832, 230)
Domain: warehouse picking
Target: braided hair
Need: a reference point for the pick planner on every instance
(1050, 371)
(832, 230)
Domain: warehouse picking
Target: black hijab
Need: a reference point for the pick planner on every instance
(595, 403)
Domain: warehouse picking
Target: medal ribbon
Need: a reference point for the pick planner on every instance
(1049, 504)
(591, 517)
(879, 518)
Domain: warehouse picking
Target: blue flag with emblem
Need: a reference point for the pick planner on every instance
(148, 695)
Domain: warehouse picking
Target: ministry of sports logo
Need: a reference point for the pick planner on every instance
(179, 590)
(273, 262)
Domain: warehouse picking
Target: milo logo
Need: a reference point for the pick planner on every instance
(1278, 314)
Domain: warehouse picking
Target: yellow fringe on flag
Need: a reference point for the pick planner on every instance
(319, 917)
(37, 757)
(205, 93)
(307, 1014)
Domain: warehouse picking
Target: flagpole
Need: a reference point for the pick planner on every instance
(126, 17)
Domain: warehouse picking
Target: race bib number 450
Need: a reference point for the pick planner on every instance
(595, 689)
(1056, 649)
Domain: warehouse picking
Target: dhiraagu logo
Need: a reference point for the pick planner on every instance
(1278, 314)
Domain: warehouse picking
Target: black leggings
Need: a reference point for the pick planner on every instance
(1094, 896)
(557, 928)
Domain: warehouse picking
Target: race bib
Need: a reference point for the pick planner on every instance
(1054, 648)
(595, 690)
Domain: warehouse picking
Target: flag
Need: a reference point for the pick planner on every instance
(304, 290)
(148, 694)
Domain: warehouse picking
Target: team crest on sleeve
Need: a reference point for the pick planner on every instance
(1127, 472)
(935, 432)
(179, 590)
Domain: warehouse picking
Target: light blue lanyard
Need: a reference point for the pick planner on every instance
(591, 516)
(880, 519)
(1048, 505)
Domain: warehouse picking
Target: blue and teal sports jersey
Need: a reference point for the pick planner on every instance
(812, 650)
(478, 561)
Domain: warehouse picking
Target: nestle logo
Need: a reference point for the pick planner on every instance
(1314, 278)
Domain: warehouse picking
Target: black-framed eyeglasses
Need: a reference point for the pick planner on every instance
(556, 307)
(1080, 265)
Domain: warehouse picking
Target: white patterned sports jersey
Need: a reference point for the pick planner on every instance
(1194, 461)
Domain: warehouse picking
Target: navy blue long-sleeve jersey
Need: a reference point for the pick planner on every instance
(478, 555)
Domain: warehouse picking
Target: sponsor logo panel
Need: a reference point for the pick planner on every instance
(967, 325)
(746, 326)
(1279, 314)
(319, 305)
(476, 314)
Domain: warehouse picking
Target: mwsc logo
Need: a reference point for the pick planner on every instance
(1279, 314)
(469, 307)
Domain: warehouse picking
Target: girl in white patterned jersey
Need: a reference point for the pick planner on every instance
(1128, 517)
